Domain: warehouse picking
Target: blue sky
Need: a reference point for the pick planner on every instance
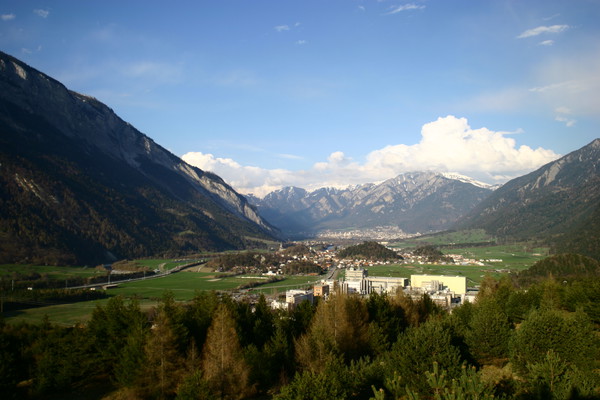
(330, 92)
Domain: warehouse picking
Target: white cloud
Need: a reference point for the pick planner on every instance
(8, 17)
(301, 42)
(546, 43)
(448, 144)
(571, 82)
(281, 28)
(561, 116)
(543, 29)
(41, 13)
(405, 7)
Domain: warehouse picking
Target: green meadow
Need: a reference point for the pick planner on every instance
(148, 292)
(184, 285)
(7, 271)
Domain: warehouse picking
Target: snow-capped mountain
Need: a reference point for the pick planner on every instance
(414, 202)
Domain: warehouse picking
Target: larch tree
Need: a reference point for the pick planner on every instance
(222, 357)
(339, 328)
(163, 361)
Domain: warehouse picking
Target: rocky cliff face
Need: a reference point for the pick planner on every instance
(53, 138)
(414, 202)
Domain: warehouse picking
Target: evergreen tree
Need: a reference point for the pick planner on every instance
(569, 335)
(415, 352)
(489, 332)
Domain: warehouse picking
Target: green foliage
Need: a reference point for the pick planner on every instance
(561, 266)
(62, 357)
(431, 254)
(344, 348)
(369, 251)
(571, 336)
(417, 349)
(488, 333)
(337, 380)
(554, 378)
(110, 328)
(194, 387)
(387, 316)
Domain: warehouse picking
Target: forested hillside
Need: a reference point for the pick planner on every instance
(369, 251)
(78, 185)
(558, 203)
(539, 343)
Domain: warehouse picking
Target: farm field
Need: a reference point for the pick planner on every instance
(513, 256)
(51, 272)
(183, 285)
(445, 238)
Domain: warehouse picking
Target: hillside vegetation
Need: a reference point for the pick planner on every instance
(384, 346)
(369, 251)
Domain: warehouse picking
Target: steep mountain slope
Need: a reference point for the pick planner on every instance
(559, 202)
(414, 202)
(80, 185)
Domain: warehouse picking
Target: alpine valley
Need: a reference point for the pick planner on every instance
(78, 185)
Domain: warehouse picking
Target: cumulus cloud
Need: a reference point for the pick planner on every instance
(542, 30)
(8, 17)
(41, 13)
(405, 7)
(448, 144)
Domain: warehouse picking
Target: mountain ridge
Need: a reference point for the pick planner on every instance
(413, 201)
(59, 147)
(557, 203)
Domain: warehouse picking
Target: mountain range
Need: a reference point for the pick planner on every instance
(80, 185)
(414, 202)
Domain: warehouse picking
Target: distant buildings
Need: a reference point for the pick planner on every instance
(321, 290)
(444, 290)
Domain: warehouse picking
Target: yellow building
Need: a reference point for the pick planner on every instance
(456, 284)
(321, 290)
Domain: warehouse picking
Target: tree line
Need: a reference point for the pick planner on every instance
(539, 343)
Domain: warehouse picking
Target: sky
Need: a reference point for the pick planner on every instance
(314, 93)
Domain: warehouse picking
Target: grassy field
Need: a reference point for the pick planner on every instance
(52, 272)
(512, 256)
(183, 285)
(444, 238)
